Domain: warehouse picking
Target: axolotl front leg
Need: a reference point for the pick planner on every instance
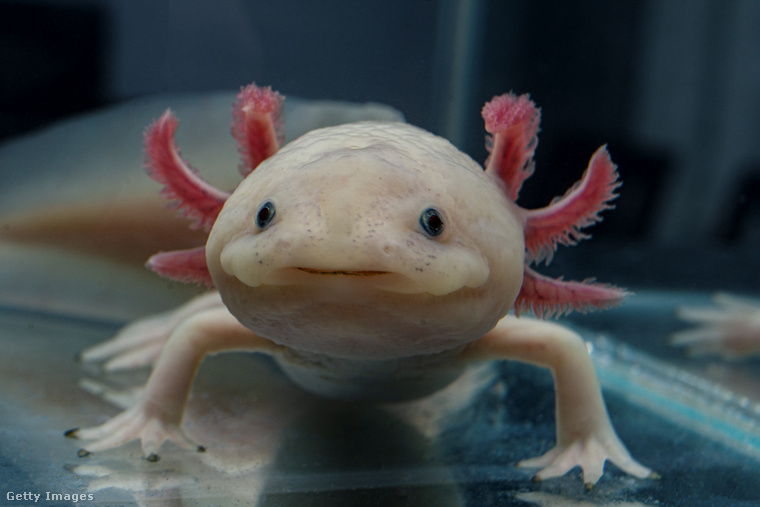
(585, 436)
(157, 416)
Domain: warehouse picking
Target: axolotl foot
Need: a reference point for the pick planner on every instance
(139, 422)
(730, 329)
(157, 415)
(590, 453)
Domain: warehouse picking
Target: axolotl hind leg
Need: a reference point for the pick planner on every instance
(140, 343)
(731, 329)
(157, 415)
(585, 436)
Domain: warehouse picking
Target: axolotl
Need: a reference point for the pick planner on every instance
(373, 261)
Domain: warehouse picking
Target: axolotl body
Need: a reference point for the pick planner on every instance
(373, 261)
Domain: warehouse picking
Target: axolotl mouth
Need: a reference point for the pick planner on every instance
(361, 278)
(342, 272)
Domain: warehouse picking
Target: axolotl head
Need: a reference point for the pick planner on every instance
(378, 240)
(369, 241)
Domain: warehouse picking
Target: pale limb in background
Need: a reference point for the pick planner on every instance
(730, 329)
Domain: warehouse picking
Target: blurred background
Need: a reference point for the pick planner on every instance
(673, 88)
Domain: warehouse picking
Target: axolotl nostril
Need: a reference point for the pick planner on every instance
(373, 261)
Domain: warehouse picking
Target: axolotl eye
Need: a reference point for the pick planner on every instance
(432, 222)
(265, 214)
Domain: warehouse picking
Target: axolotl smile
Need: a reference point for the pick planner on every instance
(348, 273)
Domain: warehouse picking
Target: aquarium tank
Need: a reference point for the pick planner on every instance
(670, 88)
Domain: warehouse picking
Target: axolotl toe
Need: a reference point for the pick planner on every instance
(373, 261)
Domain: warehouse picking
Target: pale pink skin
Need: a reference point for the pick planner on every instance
(446, 320)
(730, 329)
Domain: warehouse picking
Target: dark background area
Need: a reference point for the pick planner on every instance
(673, 88)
